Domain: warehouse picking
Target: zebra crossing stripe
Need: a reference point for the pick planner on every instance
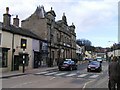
(41, 73)
(82, 75)
(72, 74)
(50, 73)
(67, 74)
(94, 76)
(60, 74)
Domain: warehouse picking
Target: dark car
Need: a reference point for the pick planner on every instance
(94, 66)
(68, 64)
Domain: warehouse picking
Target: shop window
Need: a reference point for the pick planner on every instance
(4, 58)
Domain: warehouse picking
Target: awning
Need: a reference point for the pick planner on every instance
(4, 48)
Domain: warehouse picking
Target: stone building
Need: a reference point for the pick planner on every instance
(60, 37)
(16, 42)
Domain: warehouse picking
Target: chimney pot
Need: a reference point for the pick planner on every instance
(6, 17)
(16, 21)
(7, 10)
(16, 16)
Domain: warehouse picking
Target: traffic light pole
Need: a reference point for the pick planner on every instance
(23, 61)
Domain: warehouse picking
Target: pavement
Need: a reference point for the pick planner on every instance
(32, 71)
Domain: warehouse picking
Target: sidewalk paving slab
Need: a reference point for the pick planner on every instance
(19, 73)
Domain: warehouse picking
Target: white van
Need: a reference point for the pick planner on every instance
(100, 59)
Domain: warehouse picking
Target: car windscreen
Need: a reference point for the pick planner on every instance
(99, 58)
(67, 62)
(93, 63)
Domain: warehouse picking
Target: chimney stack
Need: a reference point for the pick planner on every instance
(7, 17)
(16, 21)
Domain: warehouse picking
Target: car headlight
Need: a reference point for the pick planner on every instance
(89, 67)
(96, 67)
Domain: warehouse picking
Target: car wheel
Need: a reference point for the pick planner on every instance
(99, 70)
(76, 68)
(60, 69)
(88, 70)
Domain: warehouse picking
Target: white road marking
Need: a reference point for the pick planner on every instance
(72, 74)
(52, 78)
(41, 73)
(50, 73)
(94, 76)
(60, 74)
(82, 75)
(86, 84)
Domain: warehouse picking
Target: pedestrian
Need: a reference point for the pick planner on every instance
(118, 68)
(114, 72)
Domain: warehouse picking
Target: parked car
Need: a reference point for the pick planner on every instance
(68, 64)
(94, 66)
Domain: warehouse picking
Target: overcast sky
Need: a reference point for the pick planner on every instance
(95, 20)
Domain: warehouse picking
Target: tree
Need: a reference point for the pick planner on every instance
(83, 42)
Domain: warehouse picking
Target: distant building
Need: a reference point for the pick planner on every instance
(114, 50)
(100, 52)
(79, 52)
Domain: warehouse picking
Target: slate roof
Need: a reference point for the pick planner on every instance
(20, 31)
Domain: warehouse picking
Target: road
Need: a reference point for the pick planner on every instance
(60, 79)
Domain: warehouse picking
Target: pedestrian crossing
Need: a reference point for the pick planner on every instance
(59, 74)
(94, 76)
(51, 73)
(82, 75)
(70, 74)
